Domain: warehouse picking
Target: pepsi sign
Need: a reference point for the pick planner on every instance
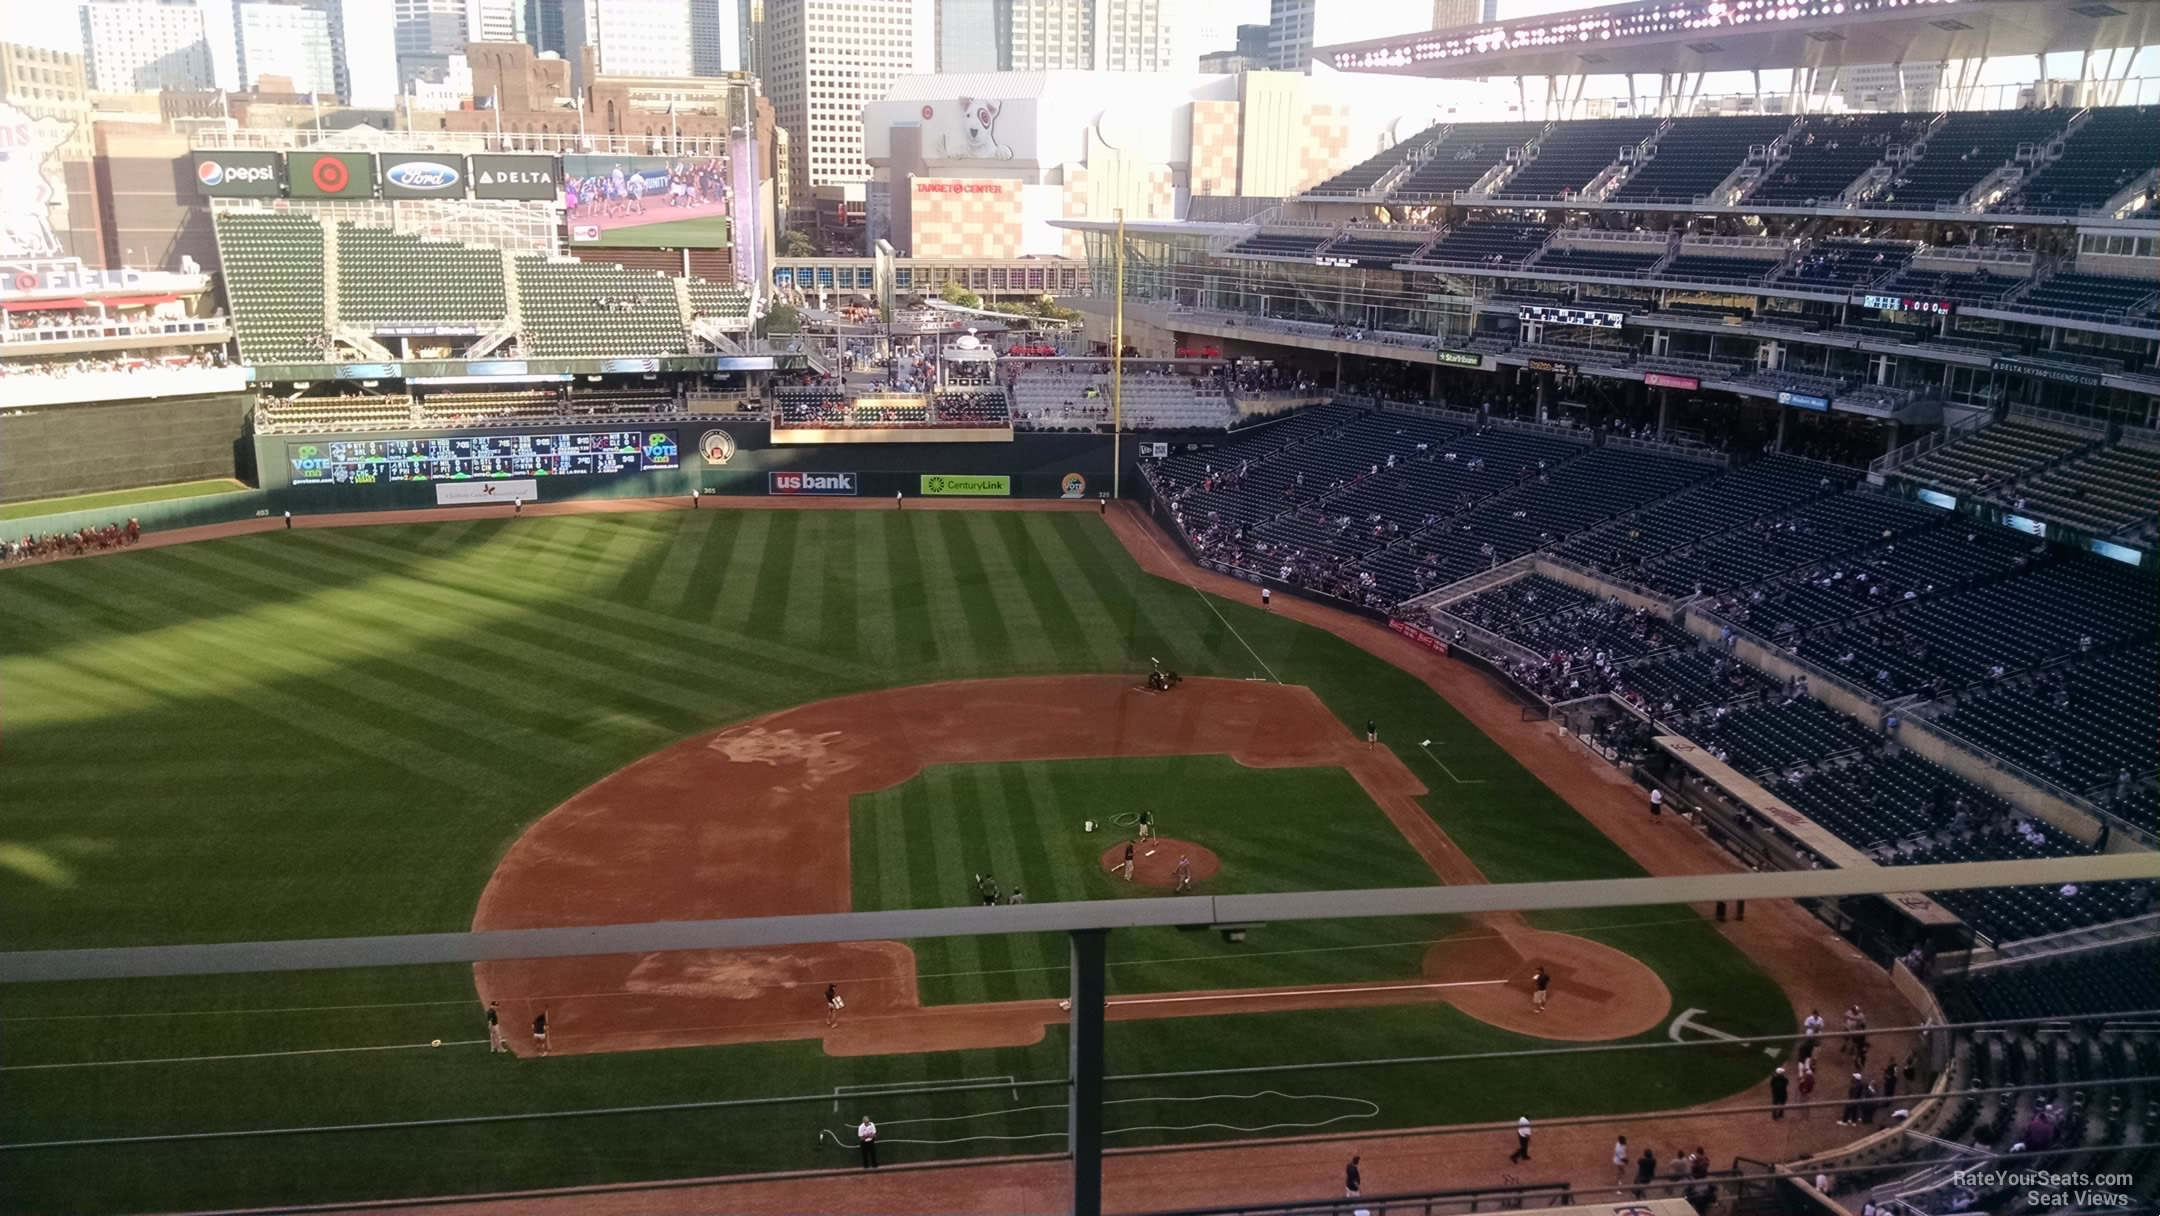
(440, 176)
(237, 174)
(812, 483)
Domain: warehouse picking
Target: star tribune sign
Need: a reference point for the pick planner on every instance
(31, 188)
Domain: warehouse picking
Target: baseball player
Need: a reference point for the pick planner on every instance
(866, 1137)
(1184, 874)
(1267, 600)
(1147, 825)
(833, 1004)
(1540, 988)
(987, 888)
(540, 1039)
(1372, 733)
(1017, 898)
(495, 1034)
(1127, 867)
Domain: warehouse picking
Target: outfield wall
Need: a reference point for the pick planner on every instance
(55, 451)
(1032, 466)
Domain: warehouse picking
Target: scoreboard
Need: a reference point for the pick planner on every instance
(480, 457)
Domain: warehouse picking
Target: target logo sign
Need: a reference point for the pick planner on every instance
(331, 176)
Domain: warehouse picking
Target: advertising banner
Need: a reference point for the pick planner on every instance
(1430, 641)
(1461, 358)
(652, 202)
(1661, 380)
(966, 485)
(1555, 366)
(531, 178)
(331, 174)
(2046, 371)
(237, 174)
(474, 493)
(1804, 401)
(434, 175)
(1073, 485)
(796, 482)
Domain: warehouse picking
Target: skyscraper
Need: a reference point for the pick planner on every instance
(544, 26)
(974, 35)
(144, 46)
(428, 33)
(493, 20)
(716, 37)
(824, 61)
(1099, 35)
(629, 37)
(363, 39)
(1295, 27)
(286, 42)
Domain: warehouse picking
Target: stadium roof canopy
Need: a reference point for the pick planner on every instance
(1746, 35)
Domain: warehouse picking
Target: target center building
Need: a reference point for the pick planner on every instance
(980, 165)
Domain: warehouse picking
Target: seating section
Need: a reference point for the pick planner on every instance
(1766, 487)
(1773, 737)
(1467, 152)
(1497, 244)
(2009, 913)
(723, 302)
(1518, 600)
(578, 308)
(359, 412)
(1961, 151)
(1695, 154)
(2112, 148)
(2107, 490)
(1940, 559)
(397, 278)
(1068, 400)
(1847, 264)
(1363, 175)
(273, 264)
(2086, 295)
(1721, 268)
(1878, 801)
(2001, 629)
(972, 407)
(1376, 250)
(1993, 455)
(1829, 154)
(1982, 288)
(1818, 530)
(2079, 725)
(1623, 260)
(1281, 244)
(1572, 154)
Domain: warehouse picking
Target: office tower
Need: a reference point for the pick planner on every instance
(363, 39)
(494, 21)
(1297, 27)
(628, 37)
(544, 26)
(286, 41)
(716, 37)
(428, 33)
(824, 61)
(145, 46)
(974, 35)
(1099, 35)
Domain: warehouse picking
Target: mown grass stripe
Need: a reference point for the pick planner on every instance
(1072, 614)
(946, 598)
(917, 643)
(876, 613)
(802, 620)
(745, 566)
(950, 877)
(1001, 953)
(984, 599)
(683, 551)
(837, 575)
(1012, 576)
(768, 600)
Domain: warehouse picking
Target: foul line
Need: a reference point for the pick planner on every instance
(245, 1055)
(1148, 528)
(1277, 993)
(1445, 769)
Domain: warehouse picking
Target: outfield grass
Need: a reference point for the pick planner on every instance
(703, 232)
(919, 845)
(119, 498)
(339, 731)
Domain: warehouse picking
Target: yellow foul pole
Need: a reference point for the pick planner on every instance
(1117, 371)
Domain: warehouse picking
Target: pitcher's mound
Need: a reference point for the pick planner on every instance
(1155, 862)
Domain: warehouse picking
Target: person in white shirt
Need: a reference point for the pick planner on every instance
(866, 1139)
(1619, 1160)
(1657, 806)
(1522, 1140)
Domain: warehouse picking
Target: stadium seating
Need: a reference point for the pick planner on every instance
(1773, 737)
(1376, 250)
(1517, 600)
(1813, 532)
(972, 407)
(724, 302)
(1845, 264)
(2084, 295)
(1944, 558)
(1767, 486)
(577, 308)
(1981, 289)
(1961, 151)
(273, 262)
(1993, 455)
(1572, 154)
(2103, 981)
(394, 277)
(359, 412)
(1497, 244)
(2106, 490)
(1695, 154)
(2078, 725)
(1719, 268)
(1829, 154)
(1066, 400)
(1881, 800)
(2112, 148)
(1617, 260)
(1282, 244)
(1363, 175)
(1466, 153)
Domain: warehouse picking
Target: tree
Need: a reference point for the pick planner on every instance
(955, 292)
(783, 319)
(794, 244)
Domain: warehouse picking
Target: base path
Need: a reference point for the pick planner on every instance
(754, 821)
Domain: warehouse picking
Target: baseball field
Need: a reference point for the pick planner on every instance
(591, 718)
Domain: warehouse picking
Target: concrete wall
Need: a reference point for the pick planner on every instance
(77, 449)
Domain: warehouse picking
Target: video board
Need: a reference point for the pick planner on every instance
(330, 174)
(480, 457)
(651, 202)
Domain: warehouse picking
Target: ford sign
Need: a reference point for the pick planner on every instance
(422, 175)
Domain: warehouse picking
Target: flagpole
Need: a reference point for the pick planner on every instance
(495, 104)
